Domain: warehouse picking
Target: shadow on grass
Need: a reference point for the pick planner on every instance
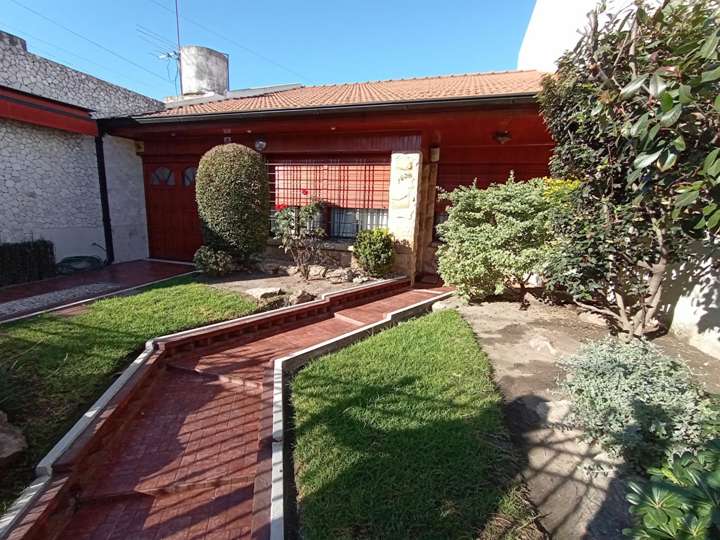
(386, 460)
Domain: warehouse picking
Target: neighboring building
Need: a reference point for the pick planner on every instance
(692, 297)
(51, 158)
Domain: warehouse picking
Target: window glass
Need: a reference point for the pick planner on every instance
(189, 176)
(347, 222)
(162, 176)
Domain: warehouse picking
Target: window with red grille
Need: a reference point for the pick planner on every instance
(353, 191)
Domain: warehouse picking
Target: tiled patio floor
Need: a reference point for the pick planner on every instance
(119, 276)
(194, 462)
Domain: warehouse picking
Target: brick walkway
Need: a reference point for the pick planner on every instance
(194, 460)
(121, 275)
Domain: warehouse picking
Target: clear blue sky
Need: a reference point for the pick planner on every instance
(310, 41)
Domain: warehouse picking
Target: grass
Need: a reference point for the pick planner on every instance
(402, 436)
(52, 368)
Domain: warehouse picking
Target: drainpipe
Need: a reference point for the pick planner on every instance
(104, 201)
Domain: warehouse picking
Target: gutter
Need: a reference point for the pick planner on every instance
(104, 200)
(524, 98)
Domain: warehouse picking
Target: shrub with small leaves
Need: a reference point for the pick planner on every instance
(300, 234)
(374, 251)
(233, 201)
(214, 262)
(680, 500)
(497, 236)
(635, 401)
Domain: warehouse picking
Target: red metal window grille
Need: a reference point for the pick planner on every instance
(354, 191)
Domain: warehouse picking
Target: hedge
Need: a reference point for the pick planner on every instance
(26, 261)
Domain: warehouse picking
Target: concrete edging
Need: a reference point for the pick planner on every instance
(44, 468)
(289, 365)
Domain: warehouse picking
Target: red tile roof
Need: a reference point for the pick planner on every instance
(469, 85)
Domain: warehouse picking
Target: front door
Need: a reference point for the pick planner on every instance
(173, 224)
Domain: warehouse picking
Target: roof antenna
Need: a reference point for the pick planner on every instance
(179, 59)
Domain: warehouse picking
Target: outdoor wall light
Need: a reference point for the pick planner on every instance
(434, 154)
(502, 136)
(260, 144)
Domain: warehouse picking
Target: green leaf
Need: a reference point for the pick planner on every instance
(667, 160)
(714, 220)
(670, 117)
(686, 199)
(717, 103)
(634, 175)
(710, 160)
(685, 94)
(657, 85)
(666, 101)
(639, 128)
(632, 87)
(712, 75)
(709, 48)
(644, 160)
(679, 143)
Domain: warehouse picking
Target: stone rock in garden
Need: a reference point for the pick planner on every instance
(12, 441)
(592, 318)
(291, 270)
(317, 271)
(300, 297)
(263, 293)
(360, 279)
(341, 275)
(441, 306)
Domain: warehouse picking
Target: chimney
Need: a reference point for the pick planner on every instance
(203, 71)
(10, 40)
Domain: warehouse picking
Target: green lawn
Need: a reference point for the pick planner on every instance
(402, 436)
(52, 368)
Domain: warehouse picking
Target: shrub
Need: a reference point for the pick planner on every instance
(634, 112)
(26, 261)
(496, 237)
(681, 499)
(233, 200)
(375, 252)
(214, 262)
(300, 235)
(635, 401)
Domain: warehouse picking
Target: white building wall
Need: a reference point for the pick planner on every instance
(692, 299)
(126, 194)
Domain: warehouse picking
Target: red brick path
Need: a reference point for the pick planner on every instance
(194, 461)
(124, 275)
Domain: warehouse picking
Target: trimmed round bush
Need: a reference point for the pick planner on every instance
(233, 200)
(635, 401)
(374, 251)
(214, 262)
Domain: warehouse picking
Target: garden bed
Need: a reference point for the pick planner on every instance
(402, 436)
(52, 367)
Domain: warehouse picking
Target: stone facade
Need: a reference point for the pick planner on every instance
(39, 76)
(49, 189)
(403, 214)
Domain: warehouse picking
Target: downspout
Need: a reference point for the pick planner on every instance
(104, 201)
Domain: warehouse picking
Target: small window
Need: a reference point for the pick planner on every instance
(347, 222)
(189, 176)
(162, 177)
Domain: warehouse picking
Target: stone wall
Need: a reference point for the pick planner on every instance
(39, 76)
(49, 189)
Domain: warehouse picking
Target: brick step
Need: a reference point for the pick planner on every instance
(249, 384)
(120, 494)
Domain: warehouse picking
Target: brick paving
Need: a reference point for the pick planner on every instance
(194, 461)
(115, 277)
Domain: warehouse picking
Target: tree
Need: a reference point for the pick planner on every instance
(496, 237)
(233, 200)
(635, 113)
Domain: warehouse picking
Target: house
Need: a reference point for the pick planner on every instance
(59, 178)
(375, 152)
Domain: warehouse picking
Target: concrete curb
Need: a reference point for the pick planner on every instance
(95, 298)
(44, 468)
(287, 366)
